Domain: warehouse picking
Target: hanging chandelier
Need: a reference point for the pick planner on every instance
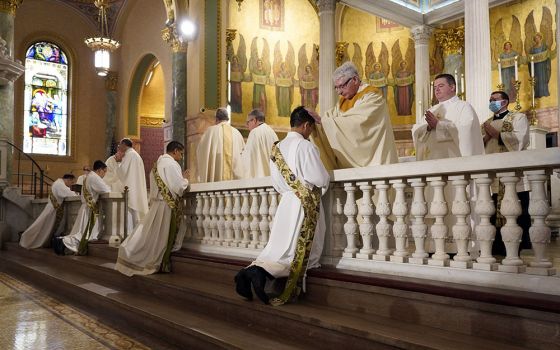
(102, 45)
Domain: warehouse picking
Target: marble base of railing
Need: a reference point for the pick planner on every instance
(461, 264)
(418, 261)
(366, 256)
(486, 278)
(485, 266)
(114, 241)
(399, 259)
(434, 262)
(377, 257)
(349, 255)
(541, 271)
(220, 250)
(512, 269)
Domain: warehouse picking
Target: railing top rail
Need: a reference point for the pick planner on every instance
(29, 158)
(499, 162)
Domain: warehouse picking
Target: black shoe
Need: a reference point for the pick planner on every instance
(58, 246)
(258, 277)
(243, 284)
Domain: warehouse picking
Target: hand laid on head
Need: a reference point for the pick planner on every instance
(314, 114)
(431, 119)
(119, 156)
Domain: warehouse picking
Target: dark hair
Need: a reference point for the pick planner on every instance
(127, 142)
(502, 94)
(173, 145)
(450, 79)
(98, 164)
(257, 114)
(299, 116)
(68, 176)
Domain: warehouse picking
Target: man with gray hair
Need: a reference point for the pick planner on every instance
(218, 155)
(357, 132)
(256, 155)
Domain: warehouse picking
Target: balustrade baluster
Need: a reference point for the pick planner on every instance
(461, 230)
(264, 223)
(254, 225)
(351, 226)
(214, 217)
(237, 221)
(400, 228)
(245, 225)
(221, 223)
(186, 220)
(199, 217)
(418, 210)
(485, 231)
(383, 227)
(228, 215)
(337, 225)
(193, 205)
(273, 207)
(207, 219)
(539, 231)
(366, 227)
(511, 232)
(438, 230)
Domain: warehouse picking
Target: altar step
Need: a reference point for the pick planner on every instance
(196, 307)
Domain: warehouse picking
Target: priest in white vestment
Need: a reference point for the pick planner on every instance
(298, 229)
(111, 178)
(507, 131)
(87, 225)
(255, 157)
(48, 222)
(357, 132)
(130, 172)
(148, 249)
(219, 151)
(451, 128)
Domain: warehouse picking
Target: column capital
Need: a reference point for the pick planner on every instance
(452, 40)
(326, 5)
(111, 81)
(9, 6)
(340, 51)
(421, 34)
(171, 36)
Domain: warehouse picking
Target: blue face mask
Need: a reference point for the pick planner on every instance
(495, 106)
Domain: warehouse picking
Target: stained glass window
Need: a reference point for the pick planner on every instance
(45, 125)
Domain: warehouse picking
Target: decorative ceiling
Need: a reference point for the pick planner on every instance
(424, 6)
(89, 10)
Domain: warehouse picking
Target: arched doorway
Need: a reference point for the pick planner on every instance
(147, 110)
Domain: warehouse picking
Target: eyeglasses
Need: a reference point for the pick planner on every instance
(342, 86)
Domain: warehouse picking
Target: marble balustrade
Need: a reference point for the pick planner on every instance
(410, 219)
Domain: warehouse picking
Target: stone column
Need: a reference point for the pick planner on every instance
(327, 43)
(477, 59)
(558, 63)
(179, 82)
(111, 101)
(10, 70)
(421, 35)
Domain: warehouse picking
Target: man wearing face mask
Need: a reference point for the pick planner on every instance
(507, 131)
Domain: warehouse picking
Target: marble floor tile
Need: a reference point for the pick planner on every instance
(30, 319)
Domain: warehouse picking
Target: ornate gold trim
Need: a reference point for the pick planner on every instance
(452, 40)
(9, 6)
(169, 35)
(151, 122)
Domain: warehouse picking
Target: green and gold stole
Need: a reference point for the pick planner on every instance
(93, 213)
(175, 205)
(311, 203)
(59, 209)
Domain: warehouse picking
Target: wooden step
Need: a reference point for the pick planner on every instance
(139, 298)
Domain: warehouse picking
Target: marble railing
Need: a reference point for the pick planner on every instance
(381, 219)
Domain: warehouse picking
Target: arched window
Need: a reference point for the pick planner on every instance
(45, 121)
